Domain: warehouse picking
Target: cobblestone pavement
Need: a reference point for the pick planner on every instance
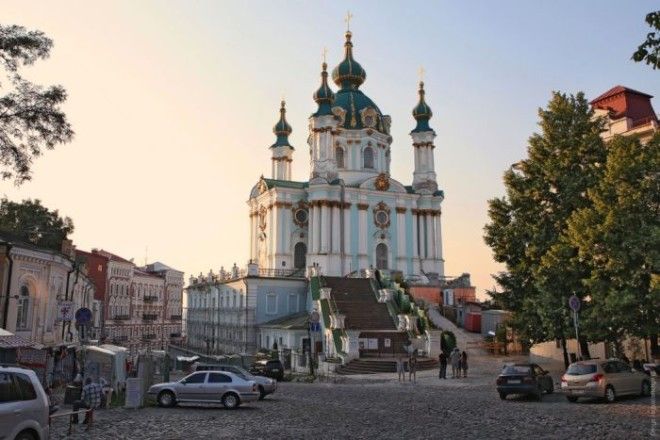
(380, 407)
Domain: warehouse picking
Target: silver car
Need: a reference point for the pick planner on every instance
(265, 385)
(206, 387)
(24, 406)
(603, 379)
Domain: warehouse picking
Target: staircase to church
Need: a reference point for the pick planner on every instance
(369, 366)
(355, 298)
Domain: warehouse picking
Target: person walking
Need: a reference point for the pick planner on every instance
(455, 359)
(400, 369)
(412, 369)
(442, 358)
(90, 398)
(464, 363)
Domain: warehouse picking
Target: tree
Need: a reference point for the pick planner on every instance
(618, 236)
(32, 222)
(527, 228)
(649, 50)
(30, 115)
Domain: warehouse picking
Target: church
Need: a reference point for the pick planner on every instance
(333, 243)
(351, 214)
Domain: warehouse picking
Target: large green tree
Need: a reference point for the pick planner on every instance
(649, 51)
(32, 222)
(618, 236)
(30, 116)
(527, 228)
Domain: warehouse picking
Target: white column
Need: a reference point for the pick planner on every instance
(429, 235)
(336, 230)
(362, 217)
(431, 163)
(273, 236)
(314, 230)
(253, 236)
(438, 236)
(401, 232)
(325, 228)
(286, 230)
(347, 231)
(415, 236)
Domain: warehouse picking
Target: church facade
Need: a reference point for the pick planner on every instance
(351, 214)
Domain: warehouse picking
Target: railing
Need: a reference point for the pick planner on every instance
(149, 317)
(150, 298)
(149, 337)
(175, 335)
(117, 339)
(175, 318)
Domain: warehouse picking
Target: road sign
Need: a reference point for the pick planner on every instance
(574, 303)
(83, 315)
(65, 311)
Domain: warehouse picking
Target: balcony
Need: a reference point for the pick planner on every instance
(149, 337)
(175, 318)
(149, 316)
(150, 298)
(175, 335)
(121, 317)
(119, 339)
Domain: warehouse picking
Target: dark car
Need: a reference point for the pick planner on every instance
(268, 367)
(525, 379)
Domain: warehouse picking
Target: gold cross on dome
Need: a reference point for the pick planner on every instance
(421, 72)
(348, 20)
(325, 52)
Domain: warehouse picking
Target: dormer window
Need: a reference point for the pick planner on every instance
(368, 158)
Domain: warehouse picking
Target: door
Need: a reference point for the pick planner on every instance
(191, 388)
(300, 255)
(217, 385)
(629, 383)
(381, 256)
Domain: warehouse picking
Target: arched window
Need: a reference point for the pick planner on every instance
(300, 255)
(23, 309)
(381, 256)
(339, 157)
(368, 158)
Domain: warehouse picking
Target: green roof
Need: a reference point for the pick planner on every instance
(297, 321)
(276, 183)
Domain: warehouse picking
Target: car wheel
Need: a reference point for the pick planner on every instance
(230, 401)
(25, 435)
(646, 388)
(610, 394)
(571, 399)
(262, 392)
(503, 396)
(166, 399)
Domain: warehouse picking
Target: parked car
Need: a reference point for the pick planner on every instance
(268, 367)
(206, 387)
(526, 379)
(24, 406)
(265, 385)
(603, 379)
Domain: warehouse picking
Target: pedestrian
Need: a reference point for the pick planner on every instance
(400, 369)
(442, 358)
(464, 363)
(89, 399)
(412, 369)
(455, 359)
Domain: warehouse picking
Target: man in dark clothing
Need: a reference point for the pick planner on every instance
(442, 358)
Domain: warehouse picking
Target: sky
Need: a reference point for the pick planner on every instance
(173, 104)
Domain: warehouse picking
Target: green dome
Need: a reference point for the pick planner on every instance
(354, 102)
(324, 96)
(349, 74)
(282, 130)
(422, 112)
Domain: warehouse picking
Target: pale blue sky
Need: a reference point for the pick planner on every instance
(173, 104)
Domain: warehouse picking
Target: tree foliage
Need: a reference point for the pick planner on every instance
(649, 50)
(30, 116)
(32, 222)
(527, 228)
(618, 237)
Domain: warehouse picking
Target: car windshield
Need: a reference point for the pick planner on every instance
(580, 369)
(516, 369)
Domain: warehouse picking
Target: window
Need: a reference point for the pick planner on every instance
(8, 389)
(196, 378)
(293, 303)
(300, 255)
(339, 157)
(271, 304)
(25, 386)
(381, 256)
(219, 378)
(23, 310)
(368, 158)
